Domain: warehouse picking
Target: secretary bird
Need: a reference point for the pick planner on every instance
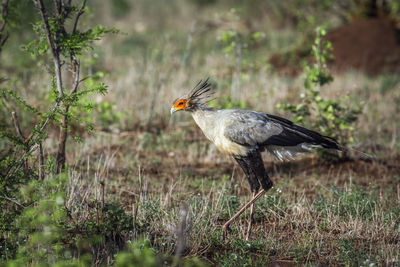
(244, 134)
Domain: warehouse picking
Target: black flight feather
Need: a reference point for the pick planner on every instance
(293, 135)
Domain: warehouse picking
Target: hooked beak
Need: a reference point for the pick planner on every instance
(173, 110)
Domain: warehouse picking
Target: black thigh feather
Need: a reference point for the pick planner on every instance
(253, 167)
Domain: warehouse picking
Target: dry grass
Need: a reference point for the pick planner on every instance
(336, 213)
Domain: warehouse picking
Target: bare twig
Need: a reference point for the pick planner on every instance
(41, 161)
(77, 65)
(13, 201)
(80, 12)
(61, 157)
(16, 125)
(3, 39)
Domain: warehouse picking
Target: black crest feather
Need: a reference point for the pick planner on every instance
(201, 93)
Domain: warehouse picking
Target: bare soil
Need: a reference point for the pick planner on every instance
(371, 45)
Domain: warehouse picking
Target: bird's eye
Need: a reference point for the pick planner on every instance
(180, 103)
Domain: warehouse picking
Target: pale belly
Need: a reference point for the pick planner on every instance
(228, 147)
(206, 120)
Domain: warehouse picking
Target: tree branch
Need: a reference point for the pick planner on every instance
(3, 39)
(11, 171)
(16, 124)
(53, 46)
(12, 200)
(80, 12)
(77, 65)
(41, 161)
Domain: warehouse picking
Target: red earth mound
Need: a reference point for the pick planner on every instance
(371, 45)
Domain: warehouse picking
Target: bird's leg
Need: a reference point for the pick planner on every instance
(251, 218)
(242, 209)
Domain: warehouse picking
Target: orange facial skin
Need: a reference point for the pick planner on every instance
(180, 104)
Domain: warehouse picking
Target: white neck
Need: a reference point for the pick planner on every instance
(205, 119)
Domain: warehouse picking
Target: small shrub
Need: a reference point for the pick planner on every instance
(107, 114)
(330, 117)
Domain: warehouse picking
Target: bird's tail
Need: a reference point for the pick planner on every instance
(330, 143)
(364, 155)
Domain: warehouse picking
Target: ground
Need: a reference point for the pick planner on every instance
(318, 211)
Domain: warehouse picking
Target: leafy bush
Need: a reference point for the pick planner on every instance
(330, 117)
(48, 231)
(107, 114)
(37, 228)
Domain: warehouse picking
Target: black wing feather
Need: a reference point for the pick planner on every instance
(293, 135)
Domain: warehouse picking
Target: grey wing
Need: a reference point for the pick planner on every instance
(251, 128)
(281, 137)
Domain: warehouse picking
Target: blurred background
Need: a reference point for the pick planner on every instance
(333, 66)
(255, 51)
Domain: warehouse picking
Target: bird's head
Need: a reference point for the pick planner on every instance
(197, 98)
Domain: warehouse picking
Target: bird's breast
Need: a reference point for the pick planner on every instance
(228, 147)
(213, 126)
